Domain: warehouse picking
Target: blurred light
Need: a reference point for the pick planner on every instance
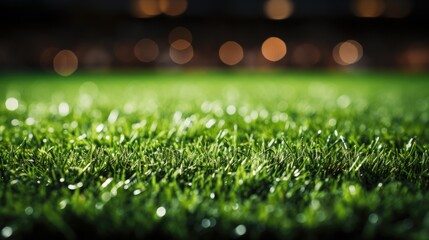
(368, 8)
(348, 52)
(231, 53)
(306, 55)
(63, 109)
(278, 9)
(173, 7)
(124, 52)
(180, 33)
(398, 8)
(146, 50)
(97, 58)
(6, 232)
(416, 58)
(274, 49)
(65, 63)
(181, 56)
(146, 8)
(11, 104)
(180, 44)
(161, 211)
(47, 57)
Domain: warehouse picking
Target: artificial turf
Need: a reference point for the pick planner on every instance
(188, 155)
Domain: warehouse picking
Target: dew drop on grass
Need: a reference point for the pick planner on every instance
(231, 109)
(212, 195)
(373, 218)
(113, 116)
(11, 104)
(6, 232)
(30, 121)
(13, 182)
(106, 196)
(210, 123)
(344, 142)
(62, 204)
(296, 173)
(99, 128)
(409, 144)
(161, 211)
(343, 101)
(205, 223)
(177, 116)
(240, 230)
(28, 210)
(14, 122)
(352, 189)
(99, 206)
(137, 192)
(106, 183)
(75, 186)
(235, 206)
(63, 109)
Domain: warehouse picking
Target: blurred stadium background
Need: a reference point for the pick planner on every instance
(69, 35)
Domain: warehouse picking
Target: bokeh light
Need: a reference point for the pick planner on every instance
(146, 50)
(180, 44)
(306, 55)
(180, 33)
(173, 7)
(415, 58)
(12, 104)
(368, 8)
(274, 49)
(231, 53)
(65, 63)
(278, 9)
(348, 52)
(146, 8)
(183, 55)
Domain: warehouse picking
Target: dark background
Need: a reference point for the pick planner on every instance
(29, 28)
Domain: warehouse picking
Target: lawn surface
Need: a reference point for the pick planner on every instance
(214, 155)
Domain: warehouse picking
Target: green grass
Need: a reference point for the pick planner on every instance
(226, 155)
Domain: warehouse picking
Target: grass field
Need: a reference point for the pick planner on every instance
(214, 155)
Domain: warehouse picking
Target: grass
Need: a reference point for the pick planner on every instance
(214, 155)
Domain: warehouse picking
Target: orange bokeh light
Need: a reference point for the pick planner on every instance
(146, 8)
(368, 8)
(173, 7)
(181, 56)
(278, 9)
(180, 44)
(65, 63)
(231, 53)
(146, 50)
(348, 52)
(274, 49)
(180, 33)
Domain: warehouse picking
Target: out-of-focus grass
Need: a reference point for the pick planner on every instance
(193, 155)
